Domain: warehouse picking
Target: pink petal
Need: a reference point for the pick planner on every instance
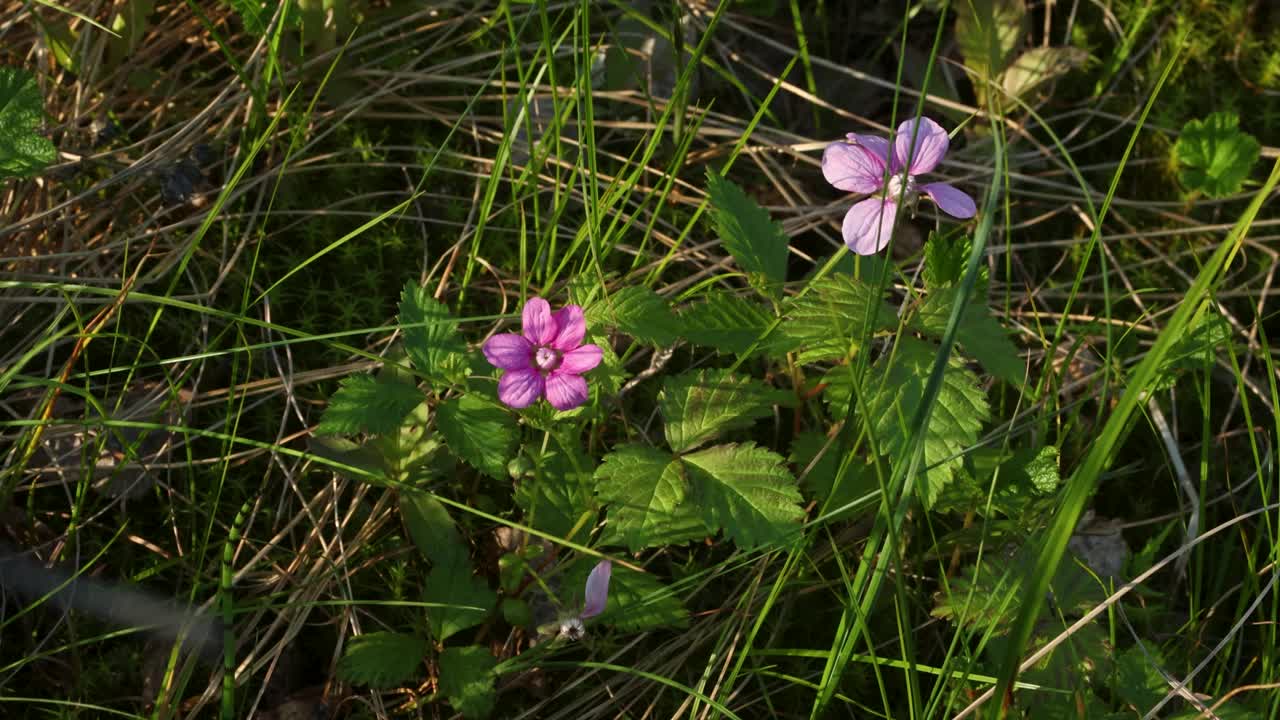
(951, 201)
(508, 351)
(597, 594)
(539, 326)
(566, 391)
(877, 145)
(930, 146)
(576, 362)
(572, 327)
(868, 225)
(520, 388)
(852, 168)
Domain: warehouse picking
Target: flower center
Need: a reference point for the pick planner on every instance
(547, 359)
(897, 183)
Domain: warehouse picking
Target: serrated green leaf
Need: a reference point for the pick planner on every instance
(637, 311)
(956, 418)
(466, 678)
(945, 258)
(758, 243)
(464, 599)
(1039, 65)
(646, 489)
(638, 601)
(557, 491)
(820, 482)
(23, 151)
(989, 33)
(1022, 479)
(254, 15)
(382, 659)
(979, 334)
(364, 403)
(725, 322)
(1215, 155)
(700, 406)
(432, 529)
(829, 322)
(431, 335)
(1138, 679)
(747, 491)
(479, 432)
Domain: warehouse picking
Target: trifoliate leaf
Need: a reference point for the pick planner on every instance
(829, 322)
(758, 243)
(979, 334)
(1038, 66)
(954, 421)
(725, 322)
(464, 599)
(479, 432)
(747, 491)
(1216, 156)
(556, 492)
(432, 529)
(23, 151)
(431, 335)
(820, 483)
(382, 659)
(646, 490)
(364, 403)
(637, 311)
(637, 601)
(702, 405)
(466, 678)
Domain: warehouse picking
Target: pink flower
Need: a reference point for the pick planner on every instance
(859, 165)
(547, 359)
(597, 591)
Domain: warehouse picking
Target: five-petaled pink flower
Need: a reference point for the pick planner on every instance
(547, 359)
(859, 166)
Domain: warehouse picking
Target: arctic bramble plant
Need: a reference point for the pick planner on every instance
(859, 166)
(547, 359)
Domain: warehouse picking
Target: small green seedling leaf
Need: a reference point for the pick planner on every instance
(756, 241)
(466, 678)
(382, 659)
(637, 311)
(431, 335)
(646, 490)
(364, 403)
(700, 406)
(479, 432)
(23, 151)
(747, 491)
(1215, 155)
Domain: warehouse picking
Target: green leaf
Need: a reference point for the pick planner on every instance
(62, 41)
(432, 529)
(989, 33)
(945, 258)
(412, 447)
(756, 241)
(1216, 156)
(382, 659)
(464, 599)
(129, 25)
(1039, 65)
(431, 335)
(638, 601)
(254, 15)
(23, 151)
(1021, 478)
(348, 452)
(820, 482)
(557, 491)
(466, 678)
(364, 403)
(646, 489)
(1195, 349)
(479, 432)
(725, 322)
(702, 405)
(954, 422)
(1138, 679)
(747, 491)
(829, 322)
(637, 311)
(979, 335)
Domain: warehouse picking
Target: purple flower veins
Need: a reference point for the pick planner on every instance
(859, 165)
(547, 359)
